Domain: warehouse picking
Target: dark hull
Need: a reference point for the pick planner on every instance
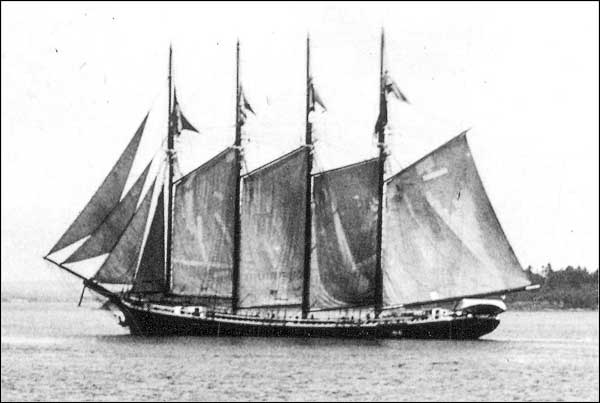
(145, 322)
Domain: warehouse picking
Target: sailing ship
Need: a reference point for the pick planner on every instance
(285, 251)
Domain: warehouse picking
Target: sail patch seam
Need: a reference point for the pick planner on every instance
(435, 174)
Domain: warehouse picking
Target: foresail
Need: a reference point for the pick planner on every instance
(106, 197)
(272, 237)
(344, 236)
(150, 275)
(203, 221)
(104, 238)
(120, 265)
(441, 237)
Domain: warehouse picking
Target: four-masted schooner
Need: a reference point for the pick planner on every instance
(285, 251)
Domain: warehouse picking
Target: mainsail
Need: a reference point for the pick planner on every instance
(272, 244)
(104, 238)
(344, 220)
(150, 276)
(441, 237)
(106, 197)
(120, 265)
(203, 228)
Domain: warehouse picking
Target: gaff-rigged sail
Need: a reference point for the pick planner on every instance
(119, 267)
(104, 238)
(345, 231)
(272, 244)
(150, 275)
(106, 197)
(204, 205)
(441, 237)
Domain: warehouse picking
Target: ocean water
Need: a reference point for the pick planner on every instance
(63, 353)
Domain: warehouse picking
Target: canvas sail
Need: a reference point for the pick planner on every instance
(344, 236)
(105, 237)
(203, 221)
(106, 197)
(272, 238)
(441, 237)
(150, 276)
(120, 265)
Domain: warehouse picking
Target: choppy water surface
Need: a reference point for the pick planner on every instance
(60, 352)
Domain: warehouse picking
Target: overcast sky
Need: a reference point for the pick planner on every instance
(78, 78)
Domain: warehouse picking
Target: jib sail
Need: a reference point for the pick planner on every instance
(105, 237)
(106, 197)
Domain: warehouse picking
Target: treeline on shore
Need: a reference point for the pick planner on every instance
(567, 288)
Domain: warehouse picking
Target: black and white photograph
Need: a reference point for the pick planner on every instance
(300, 201)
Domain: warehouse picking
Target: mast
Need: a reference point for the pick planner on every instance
(382, 155)
(168, 193)
(236, 213)
(308, 199)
